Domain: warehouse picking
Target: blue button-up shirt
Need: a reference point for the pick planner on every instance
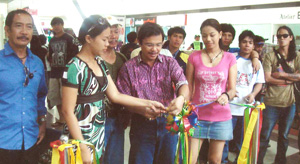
(20, 105)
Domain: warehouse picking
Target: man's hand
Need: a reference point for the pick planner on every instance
(176, 105)
(154, 109)
(249, 99)
(255, 65)
(42, 132)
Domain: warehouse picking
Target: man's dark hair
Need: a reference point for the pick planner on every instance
(292, 47)
(57, 20)
(43, 39)
(176, 30)
(10, 16)
(196, 36)
(246, 33)
(228, 28)
(131, 37)
(258, 39)
(150, 29)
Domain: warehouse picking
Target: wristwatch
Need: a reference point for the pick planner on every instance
(43, 119)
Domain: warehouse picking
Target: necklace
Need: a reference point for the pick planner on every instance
(212, 59)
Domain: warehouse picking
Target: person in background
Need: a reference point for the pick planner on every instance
(37, 48)
(259, 43)
(176, 36)
(22, 93)
(211, 75)
(61, 50)
(129, 47)
(117, 119)
(85, 82)
(248, 85)
(279, 98)
(151, 75)
(228, 34)
(196, 45)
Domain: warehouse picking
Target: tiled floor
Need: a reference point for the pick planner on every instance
(293, 156)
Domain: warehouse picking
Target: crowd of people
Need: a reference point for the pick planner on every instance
(99, 91)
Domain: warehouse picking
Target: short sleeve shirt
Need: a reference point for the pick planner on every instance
(279, 95)
(245, 82)
(91, 114)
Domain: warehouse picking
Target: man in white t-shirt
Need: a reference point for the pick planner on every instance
(248, 86)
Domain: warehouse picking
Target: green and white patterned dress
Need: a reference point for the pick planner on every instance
(89, 108)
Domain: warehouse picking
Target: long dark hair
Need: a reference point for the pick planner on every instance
(292, 47)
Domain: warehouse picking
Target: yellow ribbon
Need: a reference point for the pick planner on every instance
(55, 156)
(71, 155)
(242, 159)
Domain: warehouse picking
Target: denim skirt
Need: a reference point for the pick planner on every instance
(221, 130)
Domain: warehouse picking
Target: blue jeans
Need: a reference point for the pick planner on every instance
(237, 141)
(151, 142)
(284, 116)
(114, 142)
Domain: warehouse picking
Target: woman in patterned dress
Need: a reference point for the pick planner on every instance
(85, 81)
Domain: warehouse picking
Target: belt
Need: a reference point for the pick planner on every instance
(81, 99)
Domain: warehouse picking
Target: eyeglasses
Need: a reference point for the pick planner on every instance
(28, 76)
(150, 45)
(279, 36)
(100, 21)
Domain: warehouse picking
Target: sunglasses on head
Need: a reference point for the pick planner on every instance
(279, 36)
(100, 21)
(28, 76)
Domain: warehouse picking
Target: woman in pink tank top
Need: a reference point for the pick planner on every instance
(211, 74)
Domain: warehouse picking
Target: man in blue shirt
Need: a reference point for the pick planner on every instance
(22, 93)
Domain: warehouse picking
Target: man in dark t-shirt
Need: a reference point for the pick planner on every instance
(61, 50)
(129, 47)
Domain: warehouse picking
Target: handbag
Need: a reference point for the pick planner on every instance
(288, 69)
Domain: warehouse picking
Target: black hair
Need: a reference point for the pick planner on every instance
(211, 22)
(196, 36)
(57, 20)
(43, 39)
(258, 39)
(176, 30)
(246, 33)
(131, 37)
(228, 28)
(10, 16)
(292, 47)
(150, 29)
(93, 26)
(35, 43)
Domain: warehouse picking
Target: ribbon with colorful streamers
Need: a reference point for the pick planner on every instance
(183, 124)
(64, 154)
(249, 125)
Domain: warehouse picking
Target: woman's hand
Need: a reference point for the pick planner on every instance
(154, 109)
(85, 154)
(222, 100)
